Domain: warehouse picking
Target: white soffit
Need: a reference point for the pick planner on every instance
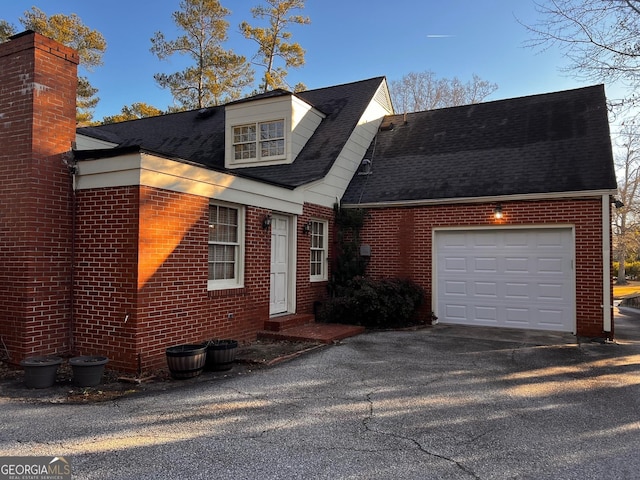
(157, 172)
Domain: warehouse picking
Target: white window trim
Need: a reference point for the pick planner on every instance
(258, 149)
(237, 282)
(325, 248)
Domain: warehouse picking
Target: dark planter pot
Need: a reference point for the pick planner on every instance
(87, 370)
(40, 372)
(221, 355)
(186, 361)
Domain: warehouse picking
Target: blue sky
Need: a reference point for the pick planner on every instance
(346, 41)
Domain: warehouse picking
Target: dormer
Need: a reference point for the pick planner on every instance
(268, 129)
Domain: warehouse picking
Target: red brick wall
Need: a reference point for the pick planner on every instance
(37, 125)
(165, 296)
(401, 243)
(105, 277)
(310, 292)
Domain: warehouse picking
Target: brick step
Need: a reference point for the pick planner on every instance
(284, 322)
(313, 332)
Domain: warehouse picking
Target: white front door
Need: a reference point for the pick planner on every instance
(279, 264)
(519, 278)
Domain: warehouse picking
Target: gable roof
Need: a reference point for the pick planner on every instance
(550, 143)
(197, 136)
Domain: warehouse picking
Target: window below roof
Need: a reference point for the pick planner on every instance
(226, 246)
(259, 141)
(268, 131)
(318, 255)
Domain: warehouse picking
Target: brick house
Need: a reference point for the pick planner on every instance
(206, 224)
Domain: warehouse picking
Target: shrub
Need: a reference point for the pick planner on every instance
(387, 303)
(632, 269)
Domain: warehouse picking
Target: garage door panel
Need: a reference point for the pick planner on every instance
(456, 288)
(485, 289)
(517, 291)
(457, 313)
(551, 239)
(503, 277)
(517, 265)
(486, 264)
(550, 319)
(516, 240)
(550, 265)
(486, 313)
(517, 316)
(455, 264)
(551, 292)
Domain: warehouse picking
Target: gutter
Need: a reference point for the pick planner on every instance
(487, 199)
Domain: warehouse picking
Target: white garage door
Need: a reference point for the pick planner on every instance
(506, 278)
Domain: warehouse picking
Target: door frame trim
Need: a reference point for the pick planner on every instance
(291, 264)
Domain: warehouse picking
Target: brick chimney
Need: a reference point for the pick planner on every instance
(38, 81)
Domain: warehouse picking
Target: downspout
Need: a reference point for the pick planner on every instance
(69, 161)
(607, 308)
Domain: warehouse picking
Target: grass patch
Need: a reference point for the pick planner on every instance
(621, 291)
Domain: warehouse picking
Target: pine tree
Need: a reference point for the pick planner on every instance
(218, 75)
(274, 41)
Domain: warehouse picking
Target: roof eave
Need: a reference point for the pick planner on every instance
(489, 199)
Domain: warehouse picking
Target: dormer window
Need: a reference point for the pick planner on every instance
(267, 131)
(259, 141)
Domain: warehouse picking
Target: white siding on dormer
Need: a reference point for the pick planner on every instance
(300, 121)
(305, 119)
(327, 191)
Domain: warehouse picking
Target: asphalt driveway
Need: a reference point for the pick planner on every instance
(442, 403)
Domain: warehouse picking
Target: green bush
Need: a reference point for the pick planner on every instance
(631, 269)
(387, 303)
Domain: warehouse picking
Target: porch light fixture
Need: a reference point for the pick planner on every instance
(266, 221)
(497, 212)
(306, 228)
(617, 203)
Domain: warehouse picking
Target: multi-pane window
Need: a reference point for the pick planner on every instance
(318, 233)
(249, 144)
(244, 142)
(272, 139)
(224, 246)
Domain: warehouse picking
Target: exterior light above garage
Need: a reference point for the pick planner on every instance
(497, 212)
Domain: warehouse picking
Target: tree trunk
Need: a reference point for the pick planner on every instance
(622, 275)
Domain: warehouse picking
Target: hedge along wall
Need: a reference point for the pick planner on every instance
(401, 241)
(141, 279)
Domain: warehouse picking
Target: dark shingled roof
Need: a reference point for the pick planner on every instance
(197, 136)
(556, 142)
